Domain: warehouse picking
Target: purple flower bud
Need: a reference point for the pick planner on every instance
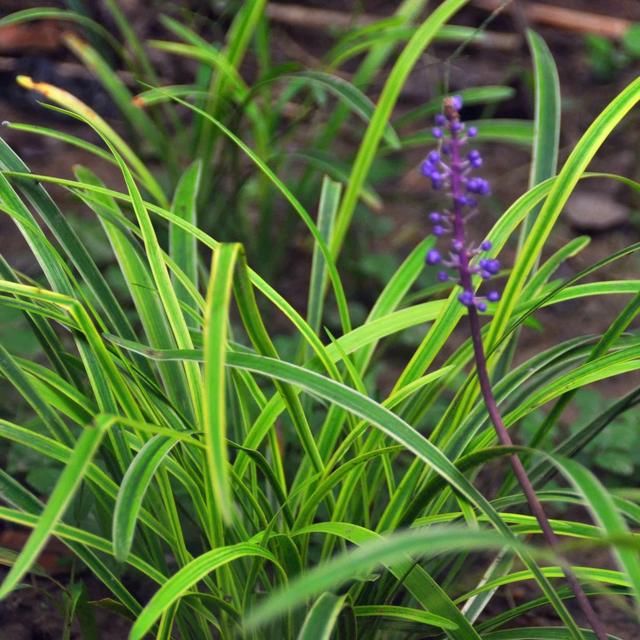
(476, 163)
(440, 120)
(456, 126)
(493, 296)
(433, 157)
(438, 230)
(456, 102)
(486, 245)
(457, 246)
(479, 186)
(485, 275)
(466, 298)
(437, 132)
(433, 257)
(472, 132)
(481, 306)
(493, 266)
(446, 148)
(472, 185)
(443, 276)
(435, 217)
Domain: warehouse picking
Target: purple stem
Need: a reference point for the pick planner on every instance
(520, 473)
(535, 506)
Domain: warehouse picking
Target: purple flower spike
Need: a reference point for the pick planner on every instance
(451, 169)
(433, 257)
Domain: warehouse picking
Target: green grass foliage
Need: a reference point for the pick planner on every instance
(254, 494)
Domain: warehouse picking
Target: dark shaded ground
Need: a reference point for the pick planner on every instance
(31, 615)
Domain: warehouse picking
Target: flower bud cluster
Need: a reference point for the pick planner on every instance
(450, 170)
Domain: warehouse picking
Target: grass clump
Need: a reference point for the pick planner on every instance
(253, 493)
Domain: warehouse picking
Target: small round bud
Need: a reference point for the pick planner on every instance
(493, 296)
(443, 276)
(466, 298)
(445, 148)
(471, 202)
(433, 257)
(456, 126)
(478, 186)
(437, 132)
(481, 306)
(493, 266)
(440, 120)
(485, 275)
(438, 230)
(472, 132)
(433, 157)
(435, 217)
(457, 246)
(486, 245)
(456, 102)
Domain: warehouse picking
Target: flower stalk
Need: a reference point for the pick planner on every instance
(449, 169)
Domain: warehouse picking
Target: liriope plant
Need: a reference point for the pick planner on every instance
(252, 495)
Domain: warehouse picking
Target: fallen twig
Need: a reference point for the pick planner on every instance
(329, 20)
(568, 19)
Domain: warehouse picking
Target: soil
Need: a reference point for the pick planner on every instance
(38, 613)
(35, 614)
